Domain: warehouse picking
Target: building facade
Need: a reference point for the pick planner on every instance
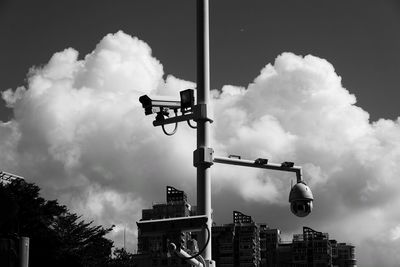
(343, 255)
(242, 243)
(311, 249)
(223, 245)
(238, 243)
(152, 250)
(269, 242)
(246, 243)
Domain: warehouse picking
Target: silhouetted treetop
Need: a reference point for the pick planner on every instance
(58, 236)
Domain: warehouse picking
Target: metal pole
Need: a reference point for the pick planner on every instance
(124, 237)
(203, 126)
(184, 254)
(254, 164)
(24, 251)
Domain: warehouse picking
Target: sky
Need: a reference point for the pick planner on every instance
(312, 82)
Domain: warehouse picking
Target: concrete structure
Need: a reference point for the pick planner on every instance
(152, 250)
(223, 245)
(312, 248)
(238, 243)
(283, 255)
(343, 255)
(176, 206)
(269, 242)
(246, 243)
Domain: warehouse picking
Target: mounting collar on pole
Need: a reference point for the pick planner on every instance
(200, 113)
(203, 156)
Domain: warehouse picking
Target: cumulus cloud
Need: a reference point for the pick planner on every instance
(298, 109)
(80, 133)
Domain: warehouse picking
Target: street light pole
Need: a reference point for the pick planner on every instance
(300, 196)
(203, 125)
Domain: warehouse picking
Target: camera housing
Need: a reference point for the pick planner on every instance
(301, 199)
(162, 226)
(155, 104)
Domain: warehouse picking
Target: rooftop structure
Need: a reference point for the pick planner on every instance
(6, 177)
(152, 250)
(238, 243)
(242, 243)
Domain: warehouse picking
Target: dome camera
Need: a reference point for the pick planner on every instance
(301, 199)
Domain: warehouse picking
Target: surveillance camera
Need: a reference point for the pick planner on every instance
(301, 199)
(161, 226)
(155, 104)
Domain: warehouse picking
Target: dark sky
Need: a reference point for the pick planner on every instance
(360, 38)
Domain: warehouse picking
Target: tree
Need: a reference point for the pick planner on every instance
(122, 258)
(81, 241)
(58, 237)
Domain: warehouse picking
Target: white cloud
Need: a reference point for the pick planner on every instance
(110, 207)
(395, 233)
(81, 134)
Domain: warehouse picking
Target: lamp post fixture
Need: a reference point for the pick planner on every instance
(203, 151)
(300, 196)
(23, 254)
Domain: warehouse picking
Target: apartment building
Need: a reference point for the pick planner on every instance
(243, 242)
(238, 243)
(152, 250)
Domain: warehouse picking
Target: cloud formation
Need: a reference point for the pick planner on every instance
(79, 133)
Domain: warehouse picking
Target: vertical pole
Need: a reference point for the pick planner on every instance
(203, 126)
(24, 251)
(124, 237)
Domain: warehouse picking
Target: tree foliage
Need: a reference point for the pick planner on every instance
(58, 237)
(122, 258)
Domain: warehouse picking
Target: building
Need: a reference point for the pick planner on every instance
(311, 249)
(241, 243)
(343, 255)
(238, 243)
(283, 255)
(223, 245)
(176, 206)
(315, 249)
(246, 243)
(152, 250)
(270, 239)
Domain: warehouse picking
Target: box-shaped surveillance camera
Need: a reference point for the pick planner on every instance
(184, 224)
(159, 101)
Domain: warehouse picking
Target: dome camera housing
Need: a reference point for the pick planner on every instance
(301, 199)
